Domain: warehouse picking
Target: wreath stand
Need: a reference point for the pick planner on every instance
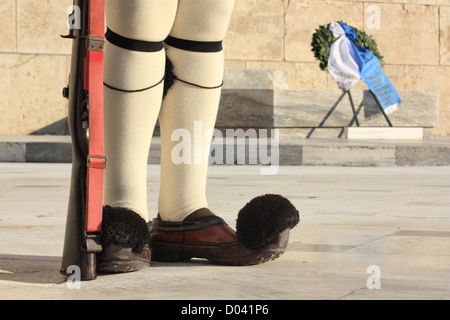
(321, 43)
(355, 116)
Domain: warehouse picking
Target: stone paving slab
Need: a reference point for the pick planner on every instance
(310, 152)
(356, 224)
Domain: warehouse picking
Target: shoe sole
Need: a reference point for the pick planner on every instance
(219, 254)
(118, 266)
(114, 259)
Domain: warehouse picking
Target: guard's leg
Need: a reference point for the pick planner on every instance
(134, 72)
(186, 228)
(195, 49)
(134, 81)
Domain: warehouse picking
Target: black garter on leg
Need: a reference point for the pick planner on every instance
(188, 45)
(136, 90)
(133, 45)
(194, 46)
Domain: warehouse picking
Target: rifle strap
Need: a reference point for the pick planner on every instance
(96, 161)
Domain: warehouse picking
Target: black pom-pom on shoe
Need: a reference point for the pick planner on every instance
(125, 241)
(264, 218)
(124, 227)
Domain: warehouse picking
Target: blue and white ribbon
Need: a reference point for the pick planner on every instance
(348, 63)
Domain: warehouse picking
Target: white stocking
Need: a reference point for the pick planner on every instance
(192, 102)
(130, 114)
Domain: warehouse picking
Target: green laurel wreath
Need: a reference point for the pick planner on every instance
(323, 38)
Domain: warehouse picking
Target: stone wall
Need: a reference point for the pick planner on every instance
(265, 35)
(412, 35)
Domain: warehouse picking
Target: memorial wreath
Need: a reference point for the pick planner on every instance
(323, 38)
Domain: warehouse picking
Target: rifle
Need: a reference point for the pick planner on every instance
(85, 117)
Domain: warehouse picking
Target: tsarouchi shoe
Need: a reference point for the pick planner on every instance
(125, 241)
(262, 234)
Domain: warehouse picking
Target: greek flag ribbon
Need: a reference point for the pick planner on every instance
(348, 63)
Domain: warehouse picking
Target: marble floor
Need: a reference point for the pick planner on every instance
(365, 233)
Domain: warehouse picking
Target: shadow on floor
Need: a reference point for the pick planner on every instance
(30, 269)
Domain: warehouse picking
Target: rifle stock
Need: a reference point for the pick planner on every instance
(80, 247)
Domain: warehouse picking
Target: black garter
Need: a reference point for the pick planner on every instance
(195, 46)
(188, 45)
(169, 77)
(131, 44)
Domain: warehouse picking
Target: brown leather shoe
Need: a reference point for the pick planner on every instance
(262, 234)
(209, 238)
